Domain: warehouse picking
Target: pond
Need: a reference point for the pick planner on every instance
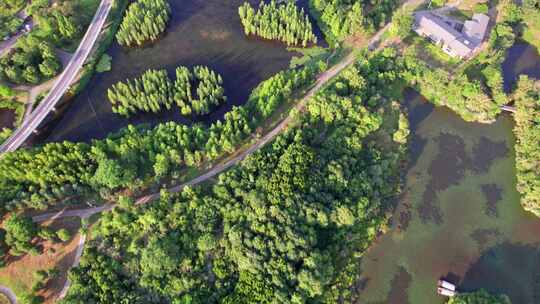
(201, 32)
(7, 118)
(521, 58)
(459, 216)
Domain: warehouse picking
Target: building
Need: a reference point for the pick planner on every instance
(455, 38)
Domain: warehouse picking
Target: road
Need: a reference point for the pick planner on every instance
(62, 84)
(9, 294)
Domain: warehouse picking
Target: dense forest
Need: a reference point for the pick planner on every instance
(145, 21)
(43, 175)
(32, 61)
(527, 130)
(155, 90)
(283, 22)
(288, 225)
(341, 18)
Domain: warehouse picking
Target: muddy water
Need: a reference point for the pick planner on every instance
(7, 118)
(459, 216)
(202, 32)
(521, 58)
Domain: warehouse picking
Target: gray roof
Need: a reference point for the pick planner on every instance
(442, 29)
(477, 27)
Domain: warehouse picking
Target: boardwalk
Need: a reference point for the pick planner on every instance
(508, 109)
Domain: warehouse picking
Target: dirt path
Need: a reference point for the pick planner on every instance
(76, 261)
(9, 294)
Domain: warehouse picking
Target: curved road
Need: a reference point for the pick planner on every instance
(62, 84)
(9, 294)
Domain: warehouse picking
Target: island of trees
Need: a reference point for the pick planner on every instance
(283, 22)
(144, 21)
(289, 225)
(155, 90)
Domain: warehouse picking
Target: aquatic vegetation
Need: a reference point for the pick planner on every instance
(283, 22)
(144, 21)
(478, 297)
(155, 90)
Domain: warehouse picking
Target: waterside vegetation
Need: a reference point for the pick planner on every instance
(155, 90)
(144, 21)
(283, 22)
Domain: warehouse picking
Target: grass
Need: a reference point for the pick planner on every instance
(4, 299)
(531, 32)
(460, 14)
(430, 53)
(18, 275)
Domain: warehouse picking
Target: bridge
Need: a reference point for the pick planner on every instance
(508, 109)
(62, 84)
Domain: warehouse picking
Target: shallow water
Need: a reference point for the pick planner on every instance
(201, 32)
(521, 58)
(459, 216)
(7, 118)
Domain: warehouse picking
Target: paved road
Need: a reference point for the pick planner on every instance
(9, 294)
(76, 261)
(62, 84)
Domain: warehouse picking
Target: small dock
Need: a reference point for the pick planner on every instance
(446, 289)
(508, 109)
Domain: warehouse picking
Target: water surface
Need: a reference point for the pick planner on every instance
(201, 32)
(7, 118)
(521, 58)
(459, 216)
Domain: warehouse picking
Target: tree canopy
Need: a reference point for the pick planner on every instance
(288, 225)
(283, 22)
(144, 21)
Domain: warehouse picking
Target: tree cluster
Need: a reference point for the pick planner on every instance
(42, 175)
(9, 25)
(527, 130)
(289, 225)
(19, 232)
(144, 21)
(341, 18)
(32, 61)
(283, 22)
(155, 90)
